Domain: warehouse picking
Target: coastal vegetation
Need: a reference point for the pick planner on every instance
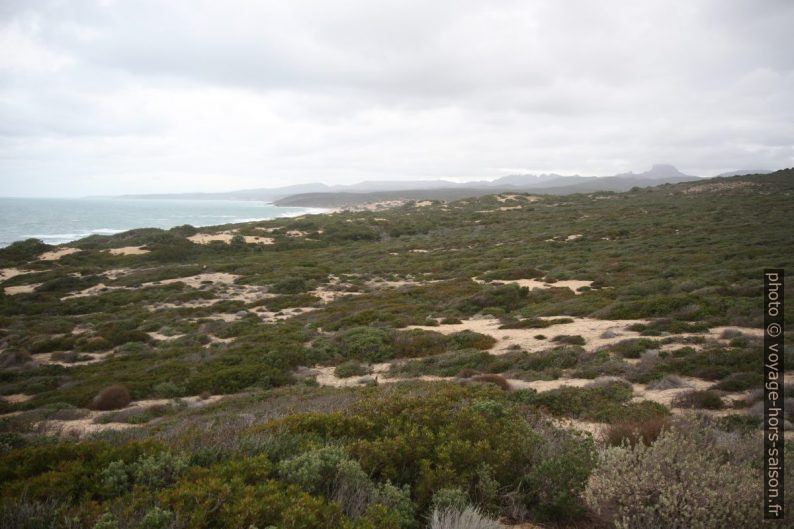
(494, 360)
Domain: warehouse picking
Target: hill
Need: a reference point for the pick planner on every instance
(514, 356)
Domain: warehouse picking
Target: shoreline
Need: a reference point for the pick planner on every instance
(57, 230)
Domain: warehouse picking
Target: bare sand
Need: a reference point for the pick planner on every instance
(590, 329)
(8, 273)
(45, 359)
(573, 284)
(21, 289)
(16, 398)
(95, 290)
(197, 281)
(506, 197)
(227, 236)
(164, 338)
(54, 255)
(129, 250)
(256, 239)
(86, 425)
(206, 238)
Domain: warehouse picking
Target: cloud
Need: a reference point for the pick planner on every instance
(112, 97)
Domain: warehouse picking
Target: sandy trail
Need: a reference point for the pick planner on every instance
(86, 425)
(54, 255)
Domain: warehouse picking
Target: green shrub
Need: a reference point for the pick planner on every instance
(535, 323)
(700, 399)
(569, 339)
(158, 470)
(351, 368)
(106, 521)
(156, 518)
(292, 285)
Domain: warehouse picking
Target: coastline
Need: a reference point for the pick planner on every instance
(61, 221)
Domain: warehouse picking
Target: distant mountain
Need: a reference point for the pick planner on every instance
(312, 194)
(743, 172)
(658, 172)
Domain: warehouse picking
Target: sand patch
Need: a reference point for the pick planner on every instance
(423, 204)
(16, 398)
(206, 238)
(590, 329)
(382, 283)
(296, 233)
(54, 255)
(549, 385)
(129, 250)
(256, 239)
(197, 281)
(45, 359)
(328, 295)
(573, 284)
(116, 273)
(86, 426)
(506, 197)
(272, 317)
(214, 339)
(163, 337)
(8, 273)
(95, 290)
(21, 289)
(571, 237)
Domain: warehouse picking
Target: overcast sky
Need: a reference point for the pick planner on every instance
(104, 97)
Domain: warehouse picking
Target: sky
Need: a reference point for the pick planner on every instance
(138, 96)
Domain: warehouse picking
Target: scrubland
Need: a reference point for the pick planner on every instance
(591, 360)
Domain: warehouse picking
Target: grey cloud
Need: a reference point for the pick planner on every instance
(174, 94)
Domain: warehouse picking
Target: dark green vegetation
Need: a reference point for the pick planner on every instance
(342, 291)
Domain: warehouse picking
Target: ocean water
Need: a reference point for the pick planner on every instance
(56, 221)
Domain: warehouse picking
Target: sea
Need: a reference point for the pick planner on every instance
(60, 220)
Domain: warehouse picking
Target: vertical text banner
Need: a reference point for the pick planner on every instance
(773, 394)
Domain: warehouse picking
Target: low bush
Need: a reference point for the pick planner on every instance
(497, 380)
(111, 398)
(535, 323)
(690, 477)
(638, 431)
(699, 399)
(574, 339)
(740, 381)
(351, 368)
